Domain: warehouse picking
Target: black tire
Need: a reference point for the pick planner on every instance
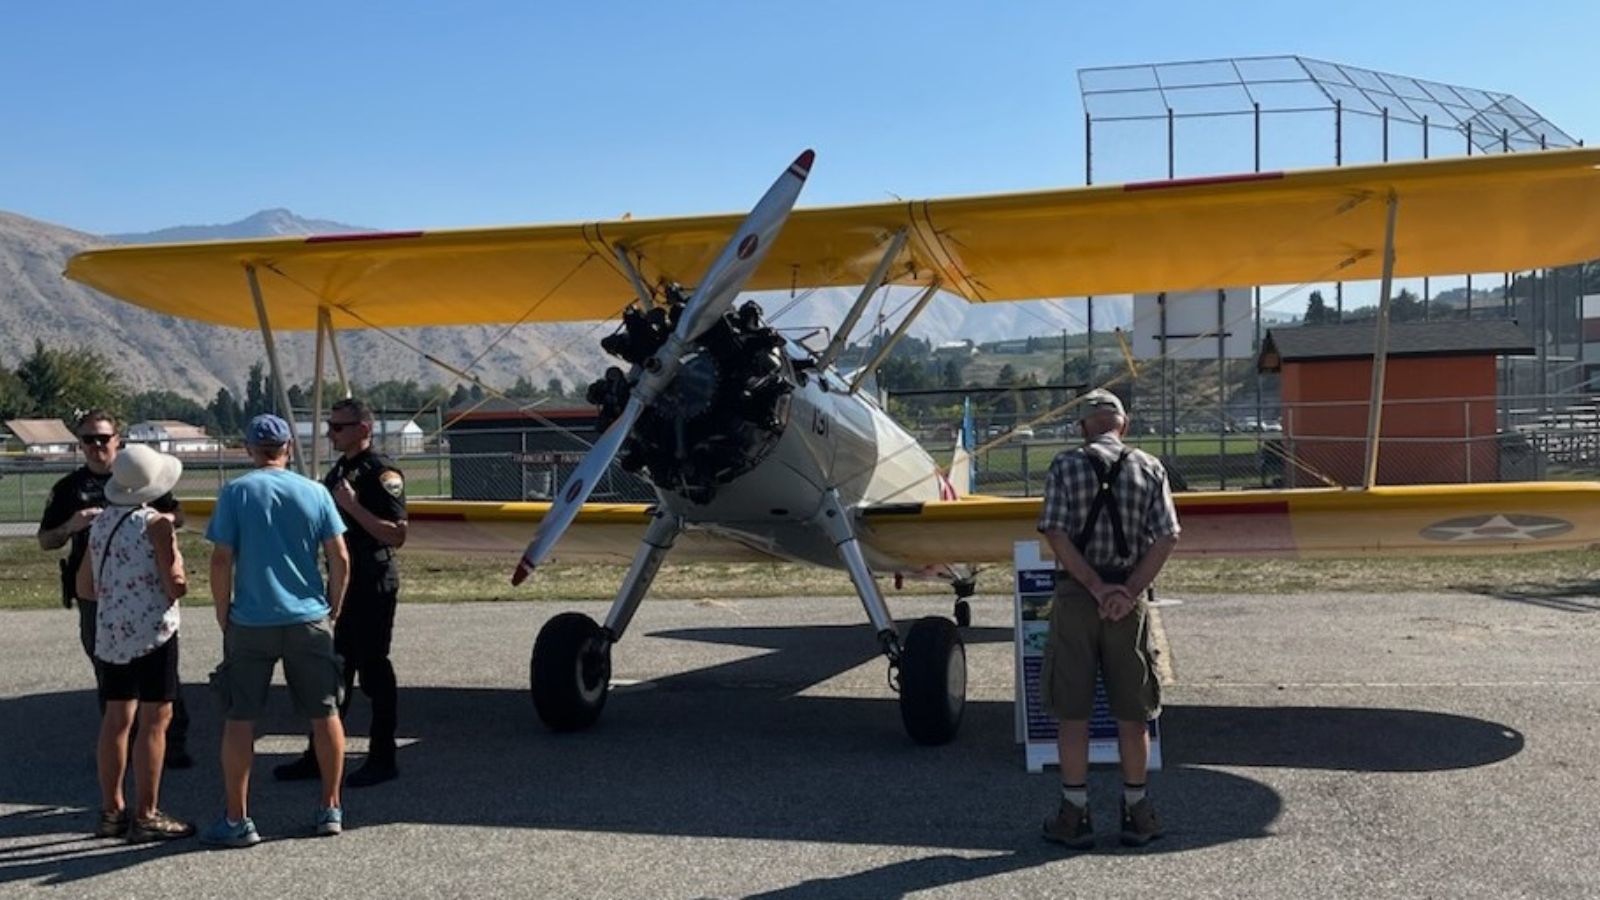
(963, 614)
(933, 681)
(570, 672)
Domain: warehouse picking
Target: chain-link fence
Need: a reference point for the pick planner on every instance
(1473, 439)
(1450, 441)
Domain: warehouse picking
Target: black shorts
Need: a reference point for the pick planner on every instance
(151, 678)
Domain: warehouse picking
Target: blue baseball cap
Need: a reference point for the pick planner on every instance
(267, 430)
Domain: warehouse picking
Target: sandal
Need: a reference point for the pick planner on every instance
(158, 826)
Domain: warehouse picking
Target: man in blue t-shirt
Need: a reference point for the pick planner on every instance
(266, 583)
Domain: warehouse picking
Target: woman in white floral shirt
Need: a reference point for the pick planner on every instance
(134, 569)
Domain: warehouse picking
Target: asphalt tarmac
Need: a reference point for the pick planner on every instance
(1332, 745)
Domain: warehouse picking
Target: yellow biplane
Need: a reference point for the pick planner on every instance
(761, 448)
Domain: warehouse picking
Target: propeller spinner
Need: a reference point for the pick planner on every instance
(713, 298)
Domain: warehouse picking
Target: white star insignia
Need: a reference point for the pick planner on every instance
(1496, 528)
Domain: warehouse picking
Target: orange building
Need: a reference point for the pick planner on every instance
(1440, 399)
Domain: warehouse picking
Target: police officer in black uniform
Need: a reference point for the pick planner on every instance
(74, 503)
(370, 493)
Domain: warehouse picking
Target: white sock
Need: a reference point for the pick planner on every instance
(1076, 794)
(1132, 793)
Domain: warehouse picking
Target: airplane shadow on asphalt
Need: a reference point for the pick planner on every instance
(1569, 596)
(735, 750)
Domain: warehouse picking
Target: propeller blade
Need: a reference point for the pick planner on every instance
(713, 297)
(577, 489)
(739, 259)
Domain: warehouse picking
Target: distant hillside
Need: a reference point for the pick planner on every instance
(154, 351)
(267, 223)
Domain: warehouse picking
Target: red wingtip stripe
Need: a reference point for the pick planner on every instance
(1204, 180)
(362, 236)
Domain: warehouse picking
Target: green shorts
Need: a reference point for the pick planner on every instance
(1082, 645)
(315, 673)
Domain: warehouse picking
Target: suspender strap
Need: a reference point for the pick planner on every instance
(1105, 500)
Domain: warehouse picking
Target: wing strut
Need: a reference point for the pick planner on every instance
(280, 388)
(326, 340)
(842, 336)
(899, 332)
(338, 361)
(646, 299)
(316, 391)
(1380, 348)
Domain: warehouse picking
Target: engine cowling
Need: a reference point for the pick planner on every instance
(723, 412)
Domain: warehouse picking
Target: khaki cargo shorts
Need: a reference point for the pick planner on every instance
(1082, 645)
(315, 673)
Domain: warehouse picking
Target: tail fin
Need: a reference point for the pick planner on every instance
(963, 477)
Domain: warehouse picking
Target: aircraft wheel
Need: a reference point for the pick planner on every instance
(570, 672)
(963, 614)
(933, 681)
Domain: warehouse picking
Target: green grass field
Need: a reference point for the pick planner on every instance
(28, 577)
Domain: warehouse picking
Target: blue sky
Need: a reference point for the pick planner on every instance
(131, 117)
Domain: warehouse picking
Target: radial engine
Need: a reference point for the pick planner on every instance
(720, 417)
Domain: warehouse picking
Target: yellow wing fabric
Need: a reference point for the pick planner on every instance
(1490, 213)
(1429, 520)
(602, 533)
(1432, 520)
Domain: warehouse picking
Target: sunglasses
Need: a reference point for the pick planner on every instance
(96, 440)
(340, 426)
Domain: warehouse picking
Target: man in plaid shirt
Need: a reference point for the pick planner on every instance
(1109, 517)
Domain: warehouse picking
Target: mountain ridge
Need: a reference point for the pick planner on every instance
(151, 351)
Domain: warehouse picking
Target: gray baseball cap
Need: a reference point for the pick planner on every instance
(1099, 399)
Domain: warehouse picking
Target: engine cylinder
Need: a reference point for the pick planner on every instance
(721, 415)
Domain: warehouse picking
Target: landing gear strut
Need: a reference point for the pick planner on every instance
(570, 672)
(930, 668)
(964, 587)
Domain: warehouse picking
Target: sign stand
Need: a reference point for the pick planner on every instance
(1036, 729)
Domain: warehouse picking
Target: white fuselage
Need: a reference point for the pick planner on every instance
(835, 440)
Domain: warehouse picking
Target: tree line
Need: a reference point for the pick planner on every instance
(62, 382)
(1562, 288)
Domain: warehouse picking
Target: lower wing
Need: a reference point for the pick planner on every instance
(1425, 520)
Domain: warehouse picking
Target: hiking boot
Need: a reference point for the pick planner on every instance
(223, 833)
(330, 820)
(158, 826)
(1139, 823)
(113, 823)
(304, 768)
(373, 771)
(1070, 827)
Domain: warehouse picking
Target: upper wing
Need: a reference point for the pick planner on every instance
(1477, 214)
(1431, 520)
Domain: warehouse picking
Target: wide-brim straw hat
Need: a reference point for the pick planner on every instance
(140, 475)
